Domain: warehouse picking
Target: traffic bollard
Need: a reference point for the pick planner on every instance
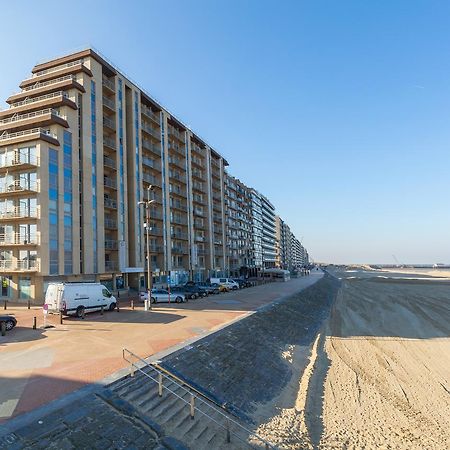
(82, 313)
(60, 318)
(132, 304)
(118, 310)
(3, 327)
(4, 307)
(34, 323)
(29, 304)
(101, 311)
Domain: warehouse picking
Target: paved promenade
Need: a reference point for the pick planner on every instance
(39, 366)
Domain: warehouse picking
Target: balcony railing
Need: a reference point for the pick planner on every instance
(178, 162)
(18, 186)
(109, 162)
(177, 176)
(110, 142)
(18, 212)
(149, 113)
(150, 178)
(109, 83)
(109, 103)
(110, 183)
(109, 203)
(18, 266)
(155, 133)
(40, 98)
(110, 223)
(49, 82)
(109, 123)
(110, 244)
(179, 249)
(31, 115)
(151, 163)
(177, 190)
(16, 158)
(110, 266)
(199, 212)
(179, 235)
(178, 205)
(152, 147)
(58, 68)
(18, 239)
(178, 219)
(6, 136)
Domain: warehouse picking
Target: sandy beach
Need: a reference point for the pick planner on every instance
(379, 372)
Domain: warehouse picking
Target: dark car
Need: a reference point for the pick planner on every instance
(204, 288)
(9, 321)
(209, 287)
(183, 290)
(242, 283)
(201, 292)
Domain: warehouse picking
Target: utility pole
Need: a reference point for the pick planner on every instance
(147, 231)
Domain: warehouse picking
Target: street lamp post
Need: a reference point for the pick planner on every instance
(147, 230)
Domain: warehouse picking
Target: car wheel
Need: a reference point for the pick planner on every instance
(179, 300)
(112, 306)
(9, 324)
(80, 311)
(153, 300)
(235, 288)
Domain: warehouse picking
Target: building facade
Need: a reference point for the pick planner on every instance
(80, 146)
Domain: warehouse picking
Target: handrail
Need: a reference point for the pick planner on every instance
(6, 136)
(40, 98)
(56, 69)
(48, 83)
(198, 396)
(30, 115)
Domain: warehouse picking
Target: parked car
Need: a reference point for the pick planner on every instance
(209, 287)
(220, 287)
(9, 321)
(188, 293)
(162, 295)
(228, 282)
(78, 298)
(203, 290)
(242, 283)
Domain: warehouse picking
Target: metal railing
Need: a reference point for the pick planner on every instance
(43, 112)
(19, 212)
(109, 83)
(196, 398)
(110, 142)
(19, 186)
(14, 265)
(48, 83)
(110, 223)
(156, 134)
(110, 244)
(18, 239)
(6, 136)
(108, 102)
(149, 113)
(56, 69)
(40, 99)
(109, 183)
(109, 162)
(110, 266)
(16, 158)
(109, 203)
(152, 147)
(109, 123)
(149, 178)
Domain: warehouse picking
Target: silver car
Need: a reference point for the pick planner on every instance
(163, 296)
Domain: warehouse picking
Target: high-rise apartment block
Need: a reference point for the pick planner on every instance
(80, 146)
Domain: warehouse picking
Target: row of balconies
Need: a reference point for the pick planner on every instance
(150, 113)
(19, 186)
(148, 129)
(18, 239)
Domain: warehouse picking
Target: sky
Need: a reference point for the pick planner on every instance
(337, 111)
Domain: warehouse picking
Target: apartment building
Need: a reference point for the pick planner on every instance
(238, 221)
(80, 146)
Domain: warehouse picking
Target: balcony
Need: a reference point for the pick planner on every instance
(198, 186)
(109, 162)
(149, 113)
(109, 84)
(177, 176)
(149, 178)
(17, 213)
(109, 203)
(154, 248)
(197, 161)
(151, 131)
(178, 149)
(175, 133)
(28, 135)
(179, 250)
(110, 183)
(156, 149)
(197, 173)
(109, 103)
(177, 162)
(110, 266)
(16, 239)
(200, 238)
(17, 161)
(19, 266)
(151, 163)
(111, 244)
(110, 224)
(109, 142)
(199, 212)
(108, 123)
(18, 187)
(177, 190)
(179, 220)
(44, 101)
(199, 225)
(57, 84)
(42, 118)
(179, 235)
(178, 205)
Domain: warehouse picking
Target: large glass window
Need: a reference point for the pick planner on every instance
(68, 239)
(53, 211)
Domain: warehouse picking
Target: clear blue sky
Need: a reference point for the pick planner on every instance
(338, 111)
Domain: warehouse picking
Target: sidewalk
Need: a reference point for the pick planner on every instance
(41, 365)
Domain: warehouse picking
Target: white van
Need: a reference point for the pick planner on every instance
(78, 298)
(227, 282)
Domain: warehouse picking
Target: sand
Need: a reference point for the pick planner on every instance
(379, 372)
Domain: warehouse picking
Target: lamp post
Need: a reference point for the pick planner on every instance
(147, 230)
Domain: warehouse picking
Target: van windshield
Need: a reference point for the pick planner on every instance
(106, 293)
